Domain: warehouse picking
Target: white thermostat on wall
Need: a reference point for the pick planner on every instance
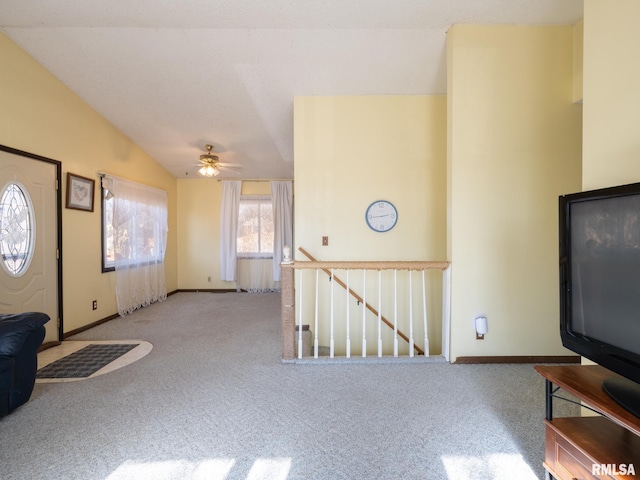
(381, 216)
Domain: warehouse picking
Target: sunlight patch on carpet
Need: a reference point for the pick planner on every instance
(498, 466)
(209, 469)
(270, 468)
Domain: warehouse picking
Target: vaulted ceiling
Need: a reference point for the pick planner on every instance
(176, 75)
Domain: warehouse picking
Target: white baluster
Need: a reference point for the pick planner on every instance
(411, 343)
(300, 318)
(424, 308)
(315, 341)
(379, 313)
(331, 343)
(395, 312)
(348, 337)
(446, 312)
(364, 313)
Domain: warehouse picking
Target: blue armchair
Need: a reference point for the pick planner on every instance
(21, 335)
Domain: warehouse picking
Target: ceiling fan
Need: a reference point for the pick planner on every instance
(210, 165)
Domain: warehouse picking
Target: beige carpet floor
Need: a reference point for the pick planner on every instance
(212, 400)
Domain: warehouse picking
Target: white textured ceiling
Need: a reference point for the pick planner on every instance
(175, 75)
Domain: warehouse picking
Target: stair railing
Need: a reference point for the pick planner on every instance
(290, 337)
(367, 305)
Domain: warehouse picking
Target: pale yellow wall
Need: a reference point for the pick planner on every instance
(512, 149)
(198, 231)
(256, 188)
(611, 93)
(514, 146)
(578, 56)
(351, 151)
(198, 239)
(40, 115)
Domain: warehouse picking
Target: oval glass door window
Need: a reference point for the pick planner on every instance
(17, 229)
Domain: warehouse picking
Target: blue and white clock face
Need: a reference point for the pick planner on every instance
(381, 216)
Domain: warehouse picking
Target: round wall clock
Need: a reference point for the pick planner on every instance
(381, 216)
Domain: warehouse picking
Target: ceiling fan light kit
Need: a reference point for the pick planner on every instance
(210, 163)
(209, 171)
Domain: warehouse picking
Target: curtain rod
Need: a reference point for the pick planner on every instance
(103, 174)
(122, 179)
(257, 179)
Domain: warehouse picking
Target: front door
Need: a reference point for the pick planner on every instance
(29, 237)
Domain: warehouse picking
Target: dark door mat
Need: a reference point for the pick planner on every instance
(86, 361)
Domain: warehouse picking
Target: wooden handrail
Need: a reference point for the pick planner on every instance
(360, 265)
(358, 297)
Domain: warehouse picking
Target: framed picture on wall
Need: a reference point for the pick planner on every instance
(80, 192)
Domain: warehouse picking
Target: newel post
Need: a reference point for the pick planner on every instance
(288, 310)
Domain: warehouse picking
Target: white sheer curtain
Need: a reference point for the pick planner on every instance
(282, 202)
(229, 228)
(255, 275)
(140, 237)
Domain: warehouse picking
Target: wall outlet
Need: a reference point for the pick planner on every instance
(325, 241)
(95, 305)
(209, 279)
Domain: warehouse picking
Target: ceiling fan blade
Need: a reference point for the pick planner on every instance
(230, 165)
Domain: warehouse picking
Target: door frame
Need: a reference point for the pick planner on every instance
(58, 167)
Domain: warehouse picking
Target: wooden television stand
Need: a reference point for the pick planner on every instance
(591, 447)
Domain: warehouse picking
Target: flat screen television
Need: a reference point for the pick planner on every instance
(600, 284)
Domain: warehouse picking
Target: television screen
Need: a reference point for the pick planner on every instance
(600, 283)
(605, 270)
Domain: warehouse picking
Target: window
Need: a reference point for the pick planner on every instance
(139, 235)
(108, 254)
(17, 229)
(255, 227)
